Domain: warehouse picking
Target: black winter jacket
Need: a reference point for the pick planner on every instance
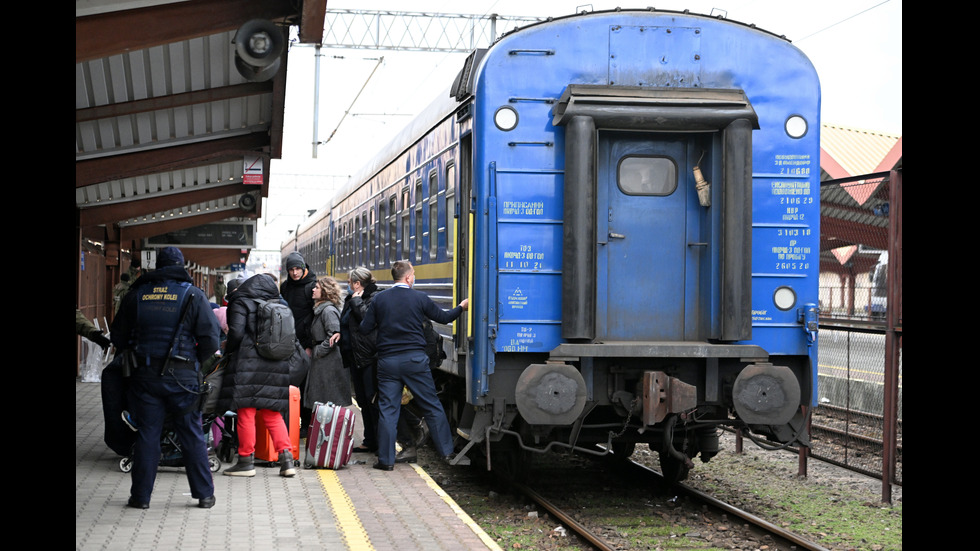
(251, 380)
(299, 297)
(199, 317)
(360, 346)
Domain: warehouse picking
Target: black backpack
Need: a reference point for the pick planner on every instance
(275, 330)
(433, 345)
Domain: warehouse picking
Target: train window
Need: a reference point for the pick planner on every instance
(342, 245)
(392, 229)
(372, 242)
(433, 215)
(405, 228)
(347, 245)
(382, 232)
(350, 244)
(357, 241)
(647, 175)
(362, 250)
(450, 207)
(339, 245)
(418, 221)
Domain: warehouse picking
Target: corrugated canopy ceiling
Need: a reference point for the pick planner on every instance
(165, 122)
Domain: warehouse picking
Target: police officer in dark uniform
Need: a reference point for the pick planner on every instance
(168, 324)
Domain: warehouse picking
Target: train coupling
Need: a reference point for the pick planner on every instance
(664, 395)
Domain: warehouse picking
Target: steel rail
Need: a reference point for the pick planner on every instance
(602, 545)
(576, 527)
(744, 515)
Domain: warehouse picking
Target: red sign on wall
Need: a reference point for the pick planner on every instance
(252, 174)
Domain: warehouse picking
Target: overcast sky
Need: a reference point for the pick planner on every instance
(855, 45)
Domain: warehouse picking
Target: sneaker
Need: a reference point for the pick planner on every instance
(244, 467)
(286, 465)
(128, 419)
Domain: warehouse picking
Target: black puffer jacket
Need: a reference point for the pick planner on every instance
(299, 297)
(360, 347)
(251, 380)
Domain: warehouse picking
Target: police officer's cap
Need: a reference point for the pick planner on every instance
(169, 256)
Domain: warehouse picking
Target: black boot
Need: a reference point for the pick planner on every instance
(407, 455)
(244, 467)
(286, 464)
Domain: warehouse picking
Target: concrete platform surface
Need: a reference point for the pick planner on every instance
(355, 508)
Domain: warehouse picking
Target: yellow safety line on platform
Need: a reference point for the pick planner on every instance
(459, 512)
(343, 510)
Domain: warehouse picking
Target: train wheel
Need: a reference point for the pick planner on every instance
(509, 463)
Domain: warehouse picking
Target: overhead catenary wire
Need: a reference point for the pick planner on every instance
(347, 111)
(841, 21)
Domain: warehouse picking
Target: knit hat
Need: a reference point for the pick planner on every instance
(295, 260)
(169, 256)
(232, 286)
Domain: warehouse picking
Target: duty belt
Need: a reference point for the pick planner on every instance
(177, 362)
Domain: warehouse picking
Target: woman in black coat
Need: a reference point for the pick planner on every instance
(253, 385)
(361, 362)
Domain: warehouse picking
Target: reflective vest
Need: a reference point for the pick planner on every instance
(159, 307)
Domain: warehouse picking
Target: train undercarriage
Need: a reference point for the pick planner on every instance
(608, 404)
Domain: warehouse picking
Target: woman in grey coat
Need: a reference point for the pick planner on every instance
(328, 379)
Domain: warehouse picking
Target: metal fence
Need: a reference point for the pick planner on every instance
(858, 422)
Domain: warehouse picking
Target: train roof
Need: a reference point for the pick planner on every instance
(440, 108)
(641, 10)
(446, 103)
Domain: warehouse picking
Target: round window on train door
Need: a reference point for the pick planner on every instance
(505, 118)
(646, 175)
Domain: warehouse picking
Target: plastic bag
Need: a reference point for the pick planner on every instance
(94, 360)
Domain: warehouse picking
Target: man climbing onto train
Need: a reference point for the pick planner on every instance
(399, 314)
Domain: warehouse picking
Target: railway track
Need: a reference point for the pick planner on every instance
(857, 425)
(593, 527)
(751, 500)
(853, 440)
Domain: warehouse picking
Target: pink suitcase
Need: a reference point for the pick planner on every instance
(330, 439)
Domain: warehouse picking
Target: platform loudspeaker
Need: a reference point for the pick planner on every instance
(247, 202)
(258, 48)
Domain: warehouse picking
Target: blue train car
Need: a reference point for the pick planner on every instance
(630, 200)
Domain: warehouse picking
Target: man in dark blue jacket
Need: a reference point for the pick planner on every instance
(167, 323)
(398, 314)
